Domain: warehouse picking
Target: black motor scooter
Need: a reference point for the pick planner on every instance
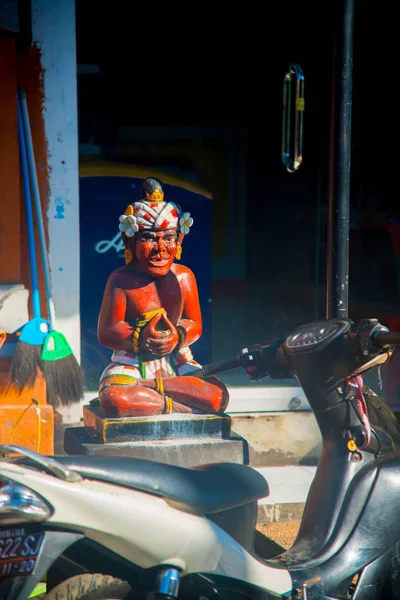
(138, 529)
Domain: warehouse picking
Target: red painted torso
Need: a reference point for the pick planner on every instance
(143, 295)
(130, 293)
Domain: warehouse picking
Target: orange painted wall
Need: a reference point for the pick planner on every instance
(10, 249)
(19, 65)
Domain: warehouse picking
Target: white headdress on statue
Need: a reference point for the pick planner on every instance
(151, 212)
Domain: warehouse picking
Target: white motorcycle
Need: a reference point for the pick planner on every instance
(118, 528)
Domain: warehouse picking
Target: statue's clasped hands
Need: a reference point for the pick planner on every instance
(159, 336)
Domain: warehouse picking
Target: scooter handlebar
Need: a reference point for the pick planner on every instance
(384, 338)
(258, 362)
(217, 367)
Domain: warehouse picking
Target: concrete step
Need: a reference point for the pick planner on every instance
(275, 436)
(288, 490)
(279, 439)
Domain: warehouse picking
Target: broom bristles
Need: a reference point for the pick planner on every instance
(24, 366)
(64, 381)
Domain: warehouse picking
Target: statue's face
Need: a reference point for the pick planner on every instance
(155, 251)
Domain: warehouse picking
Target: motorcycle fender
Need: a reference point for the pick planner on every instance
(148, 531)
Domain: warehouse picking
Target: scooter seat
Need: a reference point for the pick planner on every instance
(207, 489)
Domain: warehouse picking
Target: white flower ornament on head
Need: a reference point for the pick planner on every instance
(185, 223)
(128, 224)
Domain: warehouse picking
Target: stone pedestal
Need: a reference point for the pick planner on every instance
(178, 439)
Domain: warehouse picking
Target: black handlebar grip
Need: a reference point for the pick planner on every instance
(217, 367)
(385, 338)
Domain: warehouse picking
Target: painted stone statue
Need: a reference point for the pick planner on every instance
(150, 315)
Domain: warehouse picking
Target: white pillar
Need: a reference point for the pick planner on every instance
(53, 31)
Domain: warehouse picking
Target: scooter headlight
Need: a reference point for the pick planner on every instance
(19, 504)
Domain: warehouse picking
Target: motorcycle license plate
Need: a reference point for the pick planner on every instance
(18, 552)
